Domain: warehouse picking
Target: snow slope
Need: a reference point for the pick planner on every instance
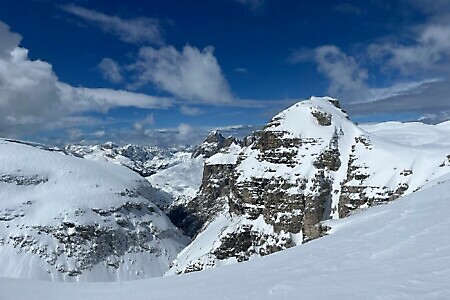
(412, 133)
(180, 181)
(71, 219)
(396, 251)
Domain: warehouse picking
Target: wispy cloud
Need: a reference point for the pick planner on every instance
(140, 30)
(190, 111)
(429, 49)
(110, 70)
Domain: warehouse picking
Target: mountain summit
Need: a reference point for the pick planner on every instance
(310, 163)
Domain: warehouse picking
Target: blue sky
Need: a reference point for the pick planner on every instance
(167, 71)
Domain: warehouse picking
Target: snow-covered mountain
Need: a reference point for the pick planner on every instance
(143, 160)
(309, 164)
(399, 251)
(66, 218)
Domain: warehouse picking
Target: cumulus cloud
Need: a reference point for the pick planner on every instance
(110, 70)
(9, 40)
(190, 74)
(135, 31)
(32, 98)
(184, 132)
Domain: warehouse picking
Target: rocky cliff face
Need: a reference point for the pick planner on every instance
(310, 163)
(192, 215)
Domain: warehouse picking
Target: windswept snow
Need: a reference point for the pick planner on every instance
(396, 251)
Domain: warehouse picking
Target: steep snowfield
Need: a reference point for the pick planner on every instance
(66, 218)
(396, 251)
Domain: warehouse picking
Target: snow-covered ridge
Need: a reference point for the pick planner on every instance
(143, 160)
(66, 218)
(310, 163)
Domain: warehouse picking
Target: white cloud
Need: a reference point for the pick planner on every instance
(421, 55)
(103, 99)
(190, 111)
(140, 125)
(135, 31)
(74, 133)
(9, 40)
(191, 74)
(99, 134)
(184, 131)
(429, 50)
(347, 78)
(110, 70)
(32, 98)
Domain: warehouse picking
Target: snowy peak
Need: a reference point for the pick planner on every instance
(309, 118)
(310, 163)
(213, 143)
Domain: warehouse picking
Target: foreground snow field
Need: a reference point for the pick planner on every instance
(396, 251)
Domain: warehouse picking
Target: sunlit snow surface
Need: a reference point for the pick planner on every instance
(396, 251)
(413, 133)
